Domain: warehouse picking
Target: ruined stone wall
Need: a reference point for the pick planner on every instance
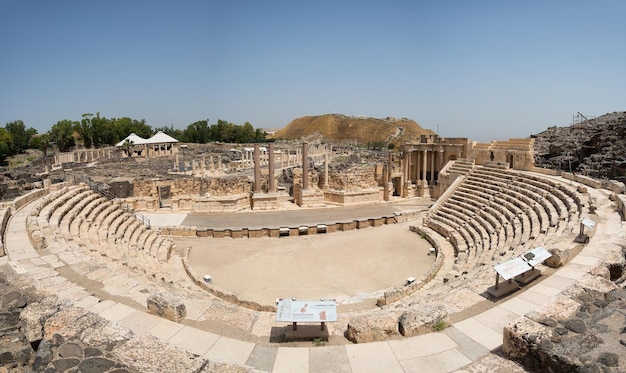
(193, 186)
(41, 333)
(355, 178)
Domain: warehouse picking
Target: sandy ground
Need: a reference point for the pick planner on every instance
(347, 266)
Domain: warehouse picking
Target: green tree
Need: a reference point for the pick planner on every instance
(84, 129)
(102, 132)
(260, 135)
(124, 126)
(20, 135)
(5, 144)
(246, 133)
(197, 132)
(61, 134)
(42, 142)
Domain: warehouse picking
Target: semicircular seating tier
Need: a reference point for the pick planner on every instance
(494, 213)
(78, 219)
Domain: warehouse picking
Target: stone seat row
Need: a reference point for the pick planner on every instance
(78, 218)
(568, 196)
(553, 208)
(494, 215)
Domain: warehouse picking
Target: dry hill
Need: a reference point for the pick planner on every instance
(362, 130)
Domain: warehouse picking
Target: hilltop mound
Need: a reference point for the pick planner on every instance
(595, 147)
(362, 130)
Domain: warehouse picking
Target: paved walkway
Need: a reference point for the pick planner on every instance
(467, 342)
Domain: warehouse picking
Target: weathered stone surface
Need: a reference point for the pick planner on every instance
(373, 326)
(38, 239)
(62, 365)
(580, 331)
(96, 365)
(70, 349)
(35, 315)
(560, 256)
(422, 320)
(69, 322)
(149, 354)
(560, 308)
(168, 306)
(520, 334)
(105, 334)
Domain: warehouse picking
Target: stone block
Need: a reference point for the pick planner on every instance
(168, 306)
(372, 326)
(422, 320)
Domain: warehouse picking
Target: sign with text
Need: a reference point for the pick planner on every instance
(588, 223)
(536, 256)
(306, 311)
(512, 268)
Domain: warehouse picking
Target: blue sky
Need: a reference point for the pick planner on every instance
(479, 69)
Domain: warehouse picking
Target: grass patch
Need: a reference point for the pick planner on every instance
(317, 342)
(441, 325)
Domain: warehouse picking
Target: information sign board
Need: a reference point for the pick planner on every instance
(588, 223)
(306, 311)
(536, 256)
(512, 268)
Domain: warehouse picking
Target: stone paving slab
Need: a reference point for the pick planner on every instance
(332, 359)
(467, 346)
(291, 359)
(446, 361)
(573, 271)
(117, 312)
(194, 340)
(230, 350)
(140, 322)
(481, 333)
(518, 306)
(585, 260)
(534, 297)
(558, 282)
(373, 357)
(165, 329)
(262, 358)
(88, 301)
(103, 305)
(496, 318)
(421, 345)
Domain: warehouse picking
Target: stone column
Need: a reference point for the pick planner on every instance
(386, 182)
(432, 169)
(418, 168)
(326, 171)
(405, 171)
(425, 191)
(424, 164)
(305, 166)
(257, 169)
(440, 159)
(272, 182)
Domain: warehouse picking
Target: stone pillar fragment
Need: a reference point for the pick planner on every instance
(305, 166)
(272, 182)
(257, 169)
